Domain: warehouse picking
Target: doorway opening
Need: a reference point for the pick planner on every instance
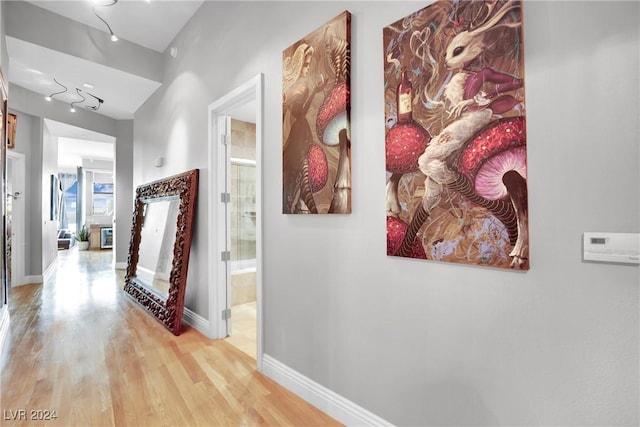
(87, 177)
(242, 228)
(235, 147)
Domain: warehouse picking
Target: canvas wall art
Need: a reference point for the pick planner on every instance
(12, 123)
(316, 153)
(455, 135)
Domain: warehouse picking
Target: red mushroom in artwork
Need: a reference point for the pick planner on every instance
(490, 172)
(495, 162)
(396, 229)
(332, 123)
(315, 171)
(333, 115)
(318, 168)
(332, 127)
(404, 143)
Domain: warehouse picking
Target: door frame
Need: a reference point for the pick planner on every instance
(18, 226)
(219, 279)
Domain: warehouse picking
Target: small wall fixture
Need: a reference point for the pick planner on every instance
(158, 162)
(113, 2)
(50, 97)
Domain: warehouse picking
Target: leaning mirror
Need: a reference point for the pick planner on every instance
(159, 248)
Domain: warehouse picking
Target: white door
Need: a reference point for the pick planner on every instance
(224, 165)
(16, 216)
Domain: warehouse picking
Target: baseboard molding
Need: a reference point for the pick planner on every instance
(4, 326)
(50, 269)
(197, 321)
(120, 266)
(334, 405)
(29, 280)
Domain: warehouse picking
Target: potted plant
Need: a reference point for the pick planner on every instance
(83, 238)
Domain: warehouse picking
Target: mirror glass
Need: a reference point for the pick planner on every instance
(160, 244)
(157, 239)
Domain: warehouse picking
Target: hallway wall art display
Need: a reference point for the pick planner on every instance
(316, 151)
(455, 137)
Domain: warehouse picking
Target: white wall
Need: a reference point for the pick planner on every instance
(427, 343)
(123, 192)
(49, 144)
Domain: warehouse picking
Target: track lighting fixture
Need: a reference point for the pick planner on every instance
(113, 2)
(99, 101)
(50, 97)
(97, 106)
(73, 109)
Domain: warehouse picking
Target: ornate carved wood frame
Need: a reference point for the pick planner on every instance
(185, 186)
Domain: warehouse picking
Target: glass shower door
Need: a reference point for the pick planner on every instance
(243, 213)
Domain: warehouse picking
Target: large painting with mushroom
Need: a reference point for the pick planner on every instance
(316, 153)
(455, 134)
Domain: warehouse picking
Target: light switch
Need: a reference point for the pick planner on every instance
(612, 247)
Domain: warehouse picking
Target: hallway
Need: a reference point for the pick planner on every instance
(79, 348)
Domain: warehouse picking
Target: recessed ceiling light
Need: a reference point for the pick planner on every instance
(88, 85)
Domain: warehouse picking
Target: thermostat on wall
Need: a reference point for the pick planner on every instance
(612, 247)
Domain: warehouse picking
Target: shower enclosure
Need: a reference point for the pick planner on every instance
(243, 215)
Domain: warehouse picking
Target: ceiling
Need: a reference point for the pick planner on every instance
(35, 68)
(150, 24)
(76, 144)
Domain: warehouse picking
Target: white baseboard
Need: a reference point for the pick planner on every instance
(331, 403)
(50, 269)
(4, 325)
(29, 280)
(120, 266)
(197, 321)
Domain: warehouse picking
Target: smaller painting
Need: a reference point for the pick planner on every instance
(12, 120)
(316, 153)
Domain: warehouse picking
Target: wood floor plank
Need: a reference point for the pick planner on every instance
(79, 346)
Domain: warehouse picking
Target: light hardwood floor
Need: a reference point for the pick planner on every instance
(79, 346)
(244, 328)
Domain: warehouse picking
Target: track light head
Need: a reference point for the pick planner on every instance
(73, 109)
(94, 107)
(50, 97)
(114, 38)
